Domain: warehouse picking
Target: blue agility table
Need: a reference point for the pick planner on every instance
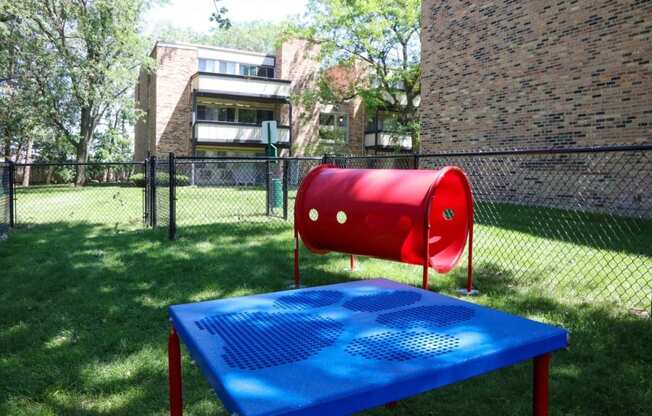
(343, 348)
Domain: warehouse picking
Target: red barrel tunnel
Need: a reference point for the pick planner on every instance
(419, 217)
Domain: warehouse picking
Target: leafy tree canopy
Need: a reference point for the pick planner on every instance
(76, 60)
(380, 36)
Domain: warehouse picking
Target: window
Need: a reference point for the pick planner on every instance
(231, 115)
(206, 113)
(334, 120)
(326, 119)
(207, 65)
(227, 67)
(256, 71)
(266, 71)
(248, 70)
(264, 115)
(246, 116)
(226, 114)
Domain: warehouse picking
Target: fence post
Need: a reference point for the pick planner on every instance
(269, 188)
(173, 197)
(286, 168)
(416, 161)
(151, 177)
(12, 194)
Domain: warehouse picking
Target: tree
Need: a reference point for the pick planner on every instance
(78, 58)
(381, 36)
(219, 16)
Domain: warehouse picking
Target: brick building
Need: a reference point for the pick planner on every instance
(535, 74)
(203, 100)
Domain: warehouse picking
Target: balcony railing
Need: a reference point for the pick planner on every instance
(225, 133)
(387, 139)
(241, 86)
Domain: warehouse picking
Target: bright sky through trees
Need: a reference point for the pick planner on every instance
(195, 13)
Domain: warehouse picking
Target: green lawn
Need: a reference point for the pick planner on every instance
(83, 323)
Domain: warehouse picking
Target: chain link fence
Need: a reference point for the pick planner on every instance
(574, 223)
(237, 192)
(6, 198)
(111, 194)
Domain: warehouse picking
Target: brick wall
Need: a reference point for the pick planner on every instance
(297, 60)
(173, 99)
(144, 102)
(535, 73)
(343, 79)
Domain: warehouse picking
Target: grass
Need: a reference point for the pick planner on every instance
(83, 320)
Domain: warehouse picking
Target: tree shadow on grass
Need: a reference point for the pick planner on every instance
(84, 309)
(83, 324)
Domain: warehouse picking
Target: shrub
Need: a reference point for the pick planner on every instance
(162, 179)
(138, 179)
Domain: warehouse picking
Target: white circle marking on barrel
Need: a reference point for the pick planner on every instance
(313, 214)
(341, 217)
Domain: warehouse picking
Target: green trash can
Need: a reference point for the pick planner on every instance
(277, 193)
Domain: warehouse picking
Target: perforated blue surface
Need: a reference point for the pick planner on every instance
(339, 349)
(309, 299)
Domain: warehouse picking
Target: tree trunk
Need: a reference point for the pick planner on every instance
(48, 178)
(85, 133)
(7, 143)
(28, 159)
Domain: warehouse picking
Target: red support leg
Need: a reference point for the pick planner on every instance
(297, 275)
(352, 262)
(425, 276)
(540, 393)
(174, 373)
(469, 266)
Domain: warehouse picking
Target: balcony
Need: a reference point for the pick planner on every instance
(215, 132)
(387, 140)
(241, 86)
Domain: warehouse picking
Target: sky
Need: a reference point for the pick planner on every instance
(195, 13)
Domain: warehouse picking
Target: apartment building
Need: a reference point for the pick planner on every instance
(205, 100)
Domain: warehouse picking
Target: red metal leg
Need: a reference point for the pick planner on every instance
(352, 261)
(297, 276)
(425, 276)
(469, 266)
(174, 374)
(540, 393)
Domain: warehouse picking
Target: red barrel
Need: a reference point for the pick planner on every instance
(393, 214)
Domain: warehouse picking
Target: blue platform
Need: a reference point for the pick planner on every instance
(342, 348)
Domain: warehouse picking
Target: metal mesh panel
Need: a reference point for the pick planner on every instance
(161, 193)
(574, 224)
(377, 162)
(5, 199)
(111, 194)
(237, 192)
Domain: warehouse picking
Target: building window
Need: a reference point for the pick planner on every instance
(231, 115)
(207, 65)
(264, 115)
(256, 71)
(266, 71)
(246, 116)
(334, 120)
(205, 113)
(333, 130)
(226, 114)
(227, 67)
